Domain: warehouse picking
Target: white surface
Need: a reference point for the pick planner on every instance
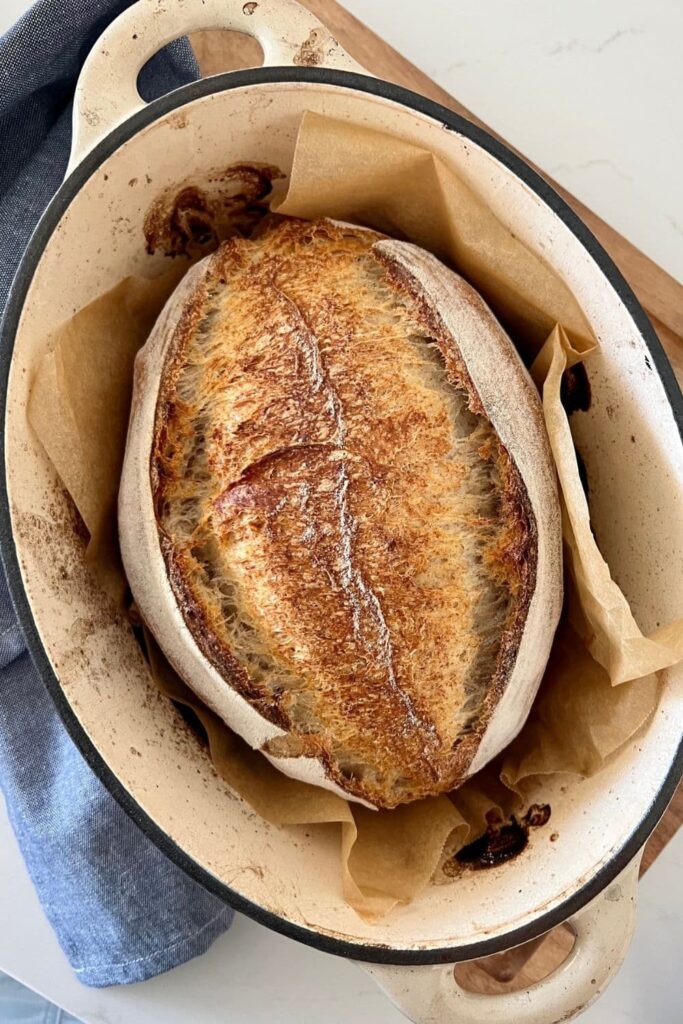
(591, 92)
(252, 976)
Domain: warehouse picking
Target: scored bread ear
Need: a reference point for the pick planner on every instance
(498, 373)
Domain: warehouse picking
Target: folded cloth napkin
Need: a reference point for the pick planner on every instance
(121, 910)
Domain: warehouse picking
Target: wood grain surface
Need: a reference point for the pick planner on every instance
(660, 295)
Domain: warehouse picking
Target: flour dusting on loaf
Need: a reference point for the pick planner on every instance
(351, 545)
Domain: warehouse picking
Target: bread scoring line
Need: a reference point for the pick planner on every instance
(358, 594)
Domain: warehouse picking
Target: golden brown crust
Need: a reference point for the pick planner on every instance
(515, 509)
(348, 540)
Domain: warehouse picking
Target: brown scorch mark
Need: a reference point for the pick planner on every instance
(501, 842)
(192, 218)
(311, 51)
(575, 389)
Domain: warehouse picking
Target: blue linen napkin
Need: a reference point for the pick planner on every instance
(121, 910)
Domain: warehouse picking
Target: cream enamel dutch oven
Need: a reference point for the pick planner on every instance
(124, 154)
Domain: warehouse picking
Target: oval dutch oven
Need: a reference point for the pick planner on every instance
(89, 239)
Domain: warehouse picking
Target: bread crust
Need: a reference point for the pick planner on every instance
(339, 602)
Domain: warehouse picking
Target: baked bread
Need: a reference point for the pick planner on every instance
(338, 511)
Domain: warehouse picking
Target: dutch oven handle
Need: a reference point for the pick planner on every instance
(106, 93)
(604, 929)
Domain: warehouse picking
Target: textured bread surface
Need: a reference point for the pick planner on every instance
(349, 542)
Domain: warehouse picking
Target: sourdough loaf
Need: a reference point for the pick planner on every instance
(338, 511)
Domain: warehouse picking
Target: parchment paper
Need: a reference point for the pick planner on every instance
(600, 612)
(79, 406)
(353, 173)
(79, 410)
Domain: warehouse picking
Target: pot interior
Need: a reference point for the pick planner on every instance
(628, 441)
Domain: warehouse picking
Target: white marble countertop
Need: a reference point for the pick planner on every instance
(592, 93)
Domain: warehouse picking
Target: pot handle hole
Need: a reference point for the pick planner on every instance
(106, 92)
(604, 929)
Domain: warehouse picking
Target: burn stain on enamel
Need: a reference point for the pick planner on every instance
(575, 389)
(311, 52)
(193, 217)
(500, 842)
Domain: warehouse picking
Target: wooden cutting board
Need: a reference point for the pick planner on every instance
(660, 295)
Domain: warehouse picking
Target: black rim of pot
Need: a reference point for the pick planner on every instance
(54, 212)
